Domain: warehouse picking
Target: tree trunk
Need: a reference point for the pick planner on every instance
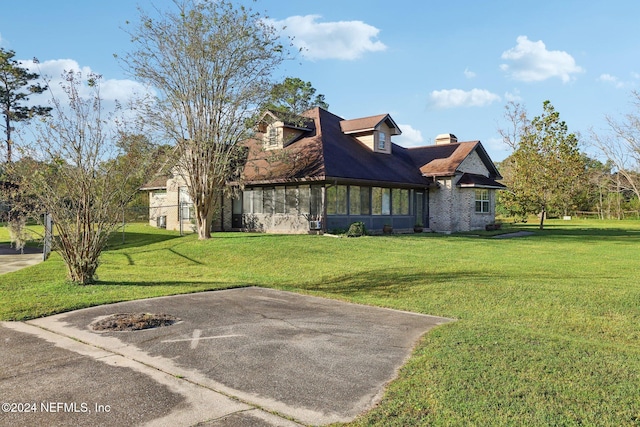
(8, 134)
(543, 213)
(203, 224)
(83, 272)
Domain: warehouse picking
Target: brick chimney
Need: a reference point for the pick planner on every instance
(446, 138)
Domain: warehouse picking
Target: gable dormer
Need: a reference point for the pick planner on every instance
(375, 132)
(281, 129)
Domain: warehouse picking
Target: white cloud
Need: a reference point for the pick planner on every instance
(110, 89)
(513, 96)
(608, 78)
(635, 75)
(452, 98)
(469, 74)
(346, 40)
(531, 62)
(410, 137)
(497, 148)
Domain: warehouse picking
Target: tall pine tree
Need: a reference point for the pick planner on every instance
(16, 85)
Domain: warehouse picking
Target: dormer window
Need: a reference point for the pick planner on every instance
(375, 132)
(277, 133)
(272, 138)
(382, 140)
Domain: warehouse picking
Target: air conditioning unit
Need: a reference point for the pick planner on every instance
(315, 225)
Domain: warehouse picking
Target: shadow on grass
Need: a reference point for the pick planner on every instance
(583, 233)
(134, 240)
(393, 281)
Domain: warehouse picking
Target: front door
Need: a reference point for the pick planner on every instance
(236, 212)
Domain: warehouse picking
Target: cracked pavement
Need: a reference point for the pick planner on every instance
(273, 356)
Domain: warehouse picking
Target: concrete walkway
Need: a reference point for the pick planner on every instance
(249, 356)
(12, 260)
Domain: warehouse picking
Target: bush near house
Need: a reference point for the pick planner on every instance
(357, 229)
(547, 326)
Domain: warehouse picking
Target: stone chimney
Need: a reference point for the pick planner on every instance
(446, 138)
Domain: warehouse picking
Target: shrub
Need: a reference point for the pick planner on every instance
(356, 229)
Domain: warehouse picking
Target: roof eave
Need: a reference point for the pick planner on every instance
(494, 187)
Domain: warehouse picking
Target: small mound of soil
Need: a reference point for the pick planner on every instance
(133, 322)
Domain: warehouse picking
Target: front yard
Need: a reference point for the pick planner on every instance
(548, 325)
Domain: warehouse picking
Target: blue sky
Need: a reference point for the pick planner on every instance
(436, 67)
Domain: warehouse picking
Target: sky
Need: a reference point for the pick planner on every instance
(436, 67)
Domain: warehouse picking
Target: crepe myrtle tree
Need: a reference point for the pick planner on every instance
(210, 63)
(80, 175)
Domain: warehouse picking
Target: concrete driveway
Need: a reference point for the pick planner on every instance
(12, 260)
(249, 356)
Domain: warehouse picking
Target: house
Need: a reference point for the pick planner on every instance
(319, 172)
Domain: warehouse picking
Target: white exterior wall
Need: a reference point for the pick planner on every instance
(173, 186)
(157, 207)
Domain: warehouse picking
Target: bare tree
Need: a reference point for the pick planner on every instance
(621, 145)
(518, 124)
(74, 178)
(210, 63)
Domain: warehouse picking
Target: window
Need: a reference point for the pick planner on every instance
(381, 198)
(246, 201)
(382, 140)
(482, 201)
(272, 136)
(186, 205)
(159, 193)
(279, 200)
(400, 199)
(257, 201)
(291, 199)
(303, 199)
(315, 203)
(267, 200)
(186, 212)
(337, 200)
(359, 203)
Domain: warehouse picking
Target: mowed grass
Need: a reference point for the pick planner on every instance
(547, 330)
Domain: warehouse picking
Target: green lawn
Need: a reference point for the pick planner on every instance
(548, 329)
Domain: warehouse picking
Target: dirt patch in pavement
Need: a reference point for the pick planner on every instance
(133, 322)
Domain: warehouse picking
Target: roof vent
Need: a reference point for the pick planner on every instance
(446, 138)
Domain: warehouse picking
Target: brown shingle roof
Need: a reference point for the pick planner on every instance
(442, 160)
(326, 152)
(361, 124)
(157, 183)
